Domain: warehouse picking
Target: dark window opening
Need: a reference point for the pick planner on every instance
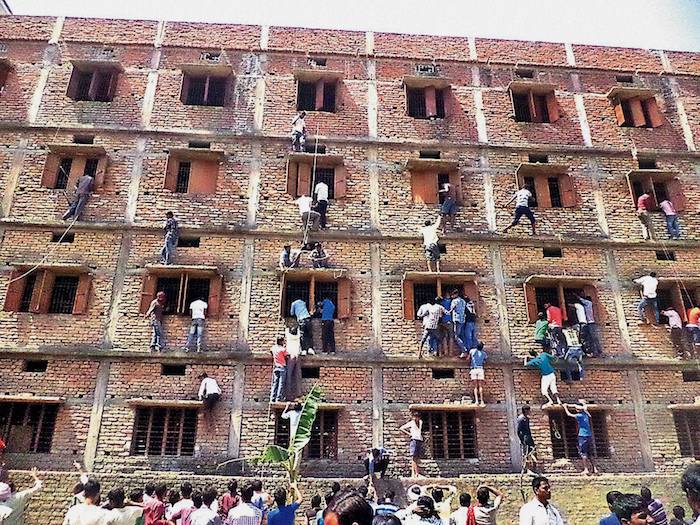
(188, 242)
(629, 120)
(63, 294)
(28, 427)
(102, 82)
(328, 97)
(625, 79)
(551, 252)
(442, 248)
(687, 425)
(664, 298)
(440, 103)
(329, 289)
(525, 73)
(314, 148)
(428, 154)
(536, 157)
(660, 191)
(180, 291)
(83, 85)
(324, 435)
(416, 103)
(295, 290)
(38, 366)
(326, 175)
(173, 370)
(452, 434)
(546, 295)
(96, 85)
(84, 139)
(205, 91)
(184, 170)
(64, 168)
(91, 167)
(171, 287)
(164, 432)
(442, 179)
(316, 61)
(665, 255)
(423, 293)
(564, 434)
(196, 289)
(216, 93)
(529, 183)
(306, 96)
(443, 373)
(691, 376)
(310, 372)
(541, 107)
(638, 189)
(688, 296)
(521, 104)
(646, 163)
(198, 144)
(26, 301)
(554, 192)
(63, 237)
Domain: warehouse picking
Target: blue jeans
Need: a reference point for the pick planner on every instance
(672, 226)
(433, 340)
(166, 253)
(459, 335)
(647, 301)
(196, 329)
(470, 339)
(279, 376)
(157, 334)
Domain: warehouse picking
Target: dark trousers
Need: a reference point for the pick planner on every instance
(76, 206)
(307, 340)
(328, 336)
(322, 208)
(558, 340)
(379, 466)
(210, 400)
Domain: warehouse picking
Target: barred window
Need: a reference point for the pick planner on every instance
(63, 294)
(423, 293)
(452, 435)
(160, 431)
(188, 287)
(687, 424)
(28, 427)
(564, 435)
(324, 435)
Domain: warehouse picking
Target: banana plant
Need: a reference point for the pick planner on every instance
(290, 458)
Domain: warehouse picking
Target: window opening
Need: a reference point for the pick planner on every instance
(63, 294)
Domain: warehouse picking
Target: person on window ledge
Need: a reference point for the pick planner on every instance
(299, 310)
(649, 284)
(477, 358)
(172, 233)
(672, 227)
(430, 235)
(327, 309)
(544, 362)
(449, 207)
(289, 258)
(299, 132)
(319, 257)
(198, 308)
(675, 326)
(279, 370)
(209, 391)
(414, 430)
(83, 190)
(589, 330)
(555, 319)
(377, 460)
(155, 313)
(585, 435)
(522, 207)
(643, 204)
(309, 218)
(431, 313)
(692, 328)
(321, 199)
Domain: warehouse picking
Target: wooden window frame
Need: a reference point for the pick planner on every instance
(648, 179)
(567, 191)
(540, 98)
(428, 417)
(95, 71)
(204, 174)
(637, 112)
(79, 160)
(43, 289)
(343, 308)
(5, 71)
(677, 292)
(436, 101)
(171, 413)
(469, 287)
(321, 87)
(560, 283)
(45, 425)
(688, 440)
(425, 185)
(300, 175)
(281, 434)
(599, 426)
(188, 76)
(150, 281)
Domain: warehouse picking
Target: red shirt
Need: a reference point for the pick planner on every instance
(554, 316)
(643, 202)
(227, 503)
(154, 513)
(279, 355)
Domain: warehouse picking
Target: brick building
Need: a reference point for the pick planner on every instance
(141, 102)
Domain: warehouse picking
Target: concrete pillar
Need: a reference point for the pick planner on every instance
(373, 175)
(634, 381)
(516, 459)
(246, 285)
(98, 406)
(372, 100)
(489, 198)
(113, 313)
(234, 433)
(376, 266)
(13, 177)
(135, 181)
(377, 406)
(616, 290)
(254, 184)
(501, 304)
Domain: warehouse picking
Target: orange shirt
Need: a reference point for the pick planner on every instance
(694, 316)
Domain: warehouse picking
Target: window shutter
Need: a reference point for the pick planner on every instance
(619, 112)
(72, 91)
(409, 311)
(568, 192)
(598, 309)
(424, 187)
(562, 302)
(214, 300)
(292, 177)
(77, 169)
(82, 294)
(530, 302)
(203, 176)
(48, 179)
(148, 291)
(471, 290)
(41, 298)
(648, 185)
(406, 99)
(340, 181)
(430, 103)
(184, 87)
(637, 112)
(318, 104)
(171, 167)
(552, 106)
(283, 297)
(101, 172)
(542, 189)
(676, 195)
(94, 84)
(456, 182)
(15, 289)
(656, 118)
(534, 115)
(677, 301)
(114, 79)
(344, 304)
(304, 180)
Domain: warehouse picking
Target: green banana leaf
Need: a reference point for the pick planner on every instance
(306, 421)
(274, 454)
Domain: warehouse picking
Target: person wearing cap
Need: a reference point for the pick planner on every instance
(209, 391)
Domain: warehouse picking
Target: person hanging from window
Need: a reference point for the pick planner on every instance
(209, 391)
(289, 258)
(527, 442)
(430, 235)
(555, 318)
(377, 460)
(299, 131)
(321, 199)
(309, 218)
(292, 383)
(155, 312)
(449, 206)
(544, 362)
(319, 257)
(675, 326)
(171, 234)
(198, 307)
(279, 370)
(299, 311)
(589, 330)
(585, 435)
(458, 308)
(327, 309)
(83, 190)
(643, 204)
(541, 330)
(649, 284)
(522, 207)
(693, 330)
(672, 227)
(477, 358)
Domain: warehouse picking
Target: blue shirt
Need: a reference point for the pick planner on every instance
(447, 304)
(299, 310)
(543, 362)
(327, 310)
(478, 357)
(282, 515)
(584, 425)
(459, 305)
(610, 520)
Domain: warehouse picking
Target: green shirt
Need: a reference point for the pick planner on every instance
(541, 329)
(543, 362)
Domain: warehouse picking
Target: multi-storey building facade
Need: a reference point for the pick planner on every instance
(195, 118)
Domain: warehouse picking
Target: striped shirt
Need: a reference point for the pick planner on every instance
(244, 514)
(657, 512)
(431, 314)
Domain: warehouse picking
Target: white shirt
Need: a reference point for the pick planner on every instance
(580, 313)
(126, 515)
(244, 513)
(487, 515)
(414, 429)
(304, 203)
(17, 502)
(298, 124)
(522, 197)
(209, 386)
(205, 516)
(674, 320)
(182, 504)
(535, 513)
(293, 343)
(431, 314)
(198, 308)
(321, 191)
(459, 517)
(294, 416)
(84, 514)
(697, 522)
(649, 285)
(430, 234)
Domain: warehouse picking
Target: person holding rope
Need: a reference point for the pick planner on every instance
(299, 132)
(310, 219)
(83, 190)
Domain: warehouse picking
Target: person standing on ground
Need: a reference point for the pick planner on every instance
(321, 198)
(90, 513)
(649, 284)
(19, 500)
(539, 511)
(485, 512)
(678, 516)
(327, 309)
(672, 227)
(209, 393)
(430, 235)
(83, 190)
(299, 311)
(443, 503)
(171, 231)
(585, 435)
(544, 362)
(465, 513)
(198, 308)
(205, 515)
(246, 513)
(284, 514)
(611, 519)
(230, 499)
(299, 131)
(478, 356)
(630, 510)
(655, 506)
(527, 442)
(279, 370)
(522, 207)
(414, 430)
(120, 512)
(690, 484)
(643, 204)
(155, 311)
(184, 503)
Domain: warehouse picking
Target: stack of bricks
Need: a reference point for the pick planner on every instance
(99, 360)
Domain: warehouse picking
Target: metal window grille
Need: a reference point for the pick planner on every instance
(196, 90)
(324, 435)
(327, 175)
(91, 167)
(28, 427)
(83, 89)
(521, 107)
(416, 103)
(440, 103)
(327, 289)
(452, 434)
(329, 97)
(546, 295)
(306, 96)
(529, 182)
(171, 287)
(196, 288)
(564, 434)
(541, 107)
(442, 178)
(103, 82)
(423, 293)
(216, 91)
(183, 177)
(26, 301)
(295, 290)
(164, 432)
(554, 191)
(63, 294)
(63, 173)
